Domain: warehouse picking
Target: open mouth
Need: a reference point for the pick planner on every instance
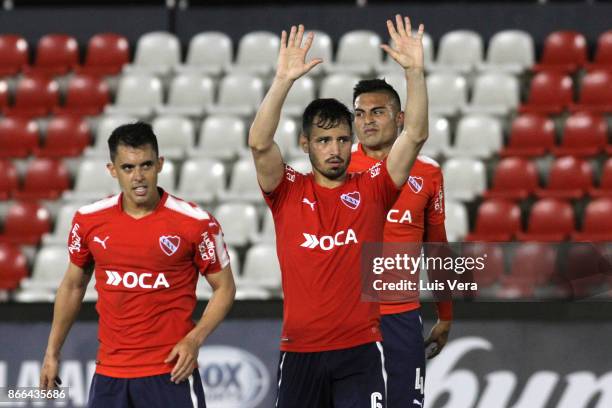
(140, 190)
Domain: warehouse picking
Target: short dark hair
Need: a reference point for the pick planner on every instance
(328, 113)
(376, 85)
(133, 135)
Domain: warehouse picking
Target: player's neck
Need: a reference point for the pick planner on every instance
(136, 210)
(323, 181)
(378, 153)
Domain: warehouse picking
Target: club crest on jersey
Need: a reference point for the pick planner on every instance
(169, 244)
(351, 200)
(415, 183)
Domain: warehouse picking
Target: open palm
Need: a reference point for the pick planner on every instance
(292, 55)
(407, 49)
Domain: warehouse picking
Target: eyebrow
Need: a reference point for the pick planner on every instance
(374, 108)
(144, 163)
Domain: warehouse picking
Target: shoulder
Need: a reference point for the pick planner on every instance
(99, 207)
(184, 209)
(426, 164)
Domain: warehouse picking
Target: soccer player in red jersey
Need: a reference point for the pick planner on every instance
(416, 216)
(148, 249)
(330, 350)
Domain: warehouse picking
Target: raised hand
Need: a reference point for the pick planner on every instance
(292, 55)
(407, 48)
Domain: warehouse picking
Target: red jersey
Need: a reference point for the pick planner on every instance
(319, 235)
(146, 272)
(421, 203)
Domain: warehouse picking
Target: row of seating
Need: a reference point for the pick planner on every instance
(358, 52)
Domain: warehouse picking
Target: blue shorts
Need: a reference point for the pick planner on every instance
(404, 350)
(352, 377)
(156, 391)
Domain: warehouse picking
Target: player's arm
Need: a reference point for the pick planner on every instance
(291, 65)
(67, 305)
(408, 52)
(224, 290)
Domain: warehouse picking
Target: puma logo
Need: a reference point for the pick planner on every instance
(417, 402)
(306, 201)
(101, 242)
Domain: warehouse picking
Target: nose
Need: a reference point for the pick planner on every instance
(334, 148)
(138, 174)
(369, 118)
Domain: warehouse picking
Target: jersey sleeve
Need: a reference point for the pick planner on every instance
(275, 198)
(378, 180)
(435, 207)
(211, 253)
(78, 249)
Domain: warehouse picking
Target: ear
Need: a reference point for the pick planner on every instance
(111, 169)
(304, 143)
(160, 163)
(399, 119)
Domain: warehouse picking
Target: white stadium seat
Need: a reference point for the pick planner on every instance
(301, 94)
(464, 179)
(238, 221)
(495, 94)
(358, 53)
(63, 222)
(456, 221)
(261, 268)
(93, 182)
(439, 137)
(257, 53)
(340, 87)
(104, 128)
(459, 51)
(209, 53)
(201, 180)
(477, 136)
(239, 94)
(156, 53)
(447, 93)
(138, 95)
(190, 95)
(510, 51)
(175, 136)
(49, 268)
(243, 183)
(222, 137)
(390, 66)
(166, 179)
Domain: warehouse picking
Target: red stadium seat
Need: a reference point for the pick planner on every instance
(603, 53)
(13, 54)
(564, 51)
(585, 135)
(106, 55)
(4, 95)
(25, 223)
(494, 265)
(18, 137)
(587, 269)
(595, 92)
(569, 178)
(86, 96)
(44, 179)
(550, 92)
(605, 184)
(530, 135)
(496, 221)
(9, 180)
(56, 54)
(533, 264)
(67, 136)
(515, 178)
(597, 224)
(35, 96)
(13, 266)
(550, 220)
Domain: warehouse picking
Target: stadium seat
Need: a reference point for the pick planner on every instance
(84, 189)
(595, 92)
(25, 223)
(175, 136)
(597, 223)
(13, 54)
(137, 96)
(603, 53)
(267, 233)
(201, 180)
(358, 53)
(509, 51)
(550, 92)
(477, 136)
(203, 289)
(389, 66)
(464, 178)
(447, 93)
(239, 94)
(530, 135)
(286, 137)
(4, 95)
(56, 54)
(9, 179)
(157, 53)
(584, 135)
(515, 178)
(257, 53)
(62, 225)
(439, 137)
(49, 268)
(569, 178)
(221, 137)
(45, 179)
(321, 48)
(107, 53)
(605, 183)
(301, 94)
(239, 222)
(564, 51)
(550, 220)
(18, 137)
(104, 128)
(86, 96)
(190, 95)
(494, 94)
(456, 221)
(340, 87)
(497, 220)
(533, 265)
(459, 51)
(35, 96)
(67, 136)
(13, 266)
(586, 270)
(166, 179)
(261, 268)
(243, 184)
(209, 53)
(301, 165)
(494, 268)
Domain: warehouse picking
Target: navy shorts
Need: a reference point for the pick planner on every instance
(156, 391)
(404, 350)
(352, 377)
